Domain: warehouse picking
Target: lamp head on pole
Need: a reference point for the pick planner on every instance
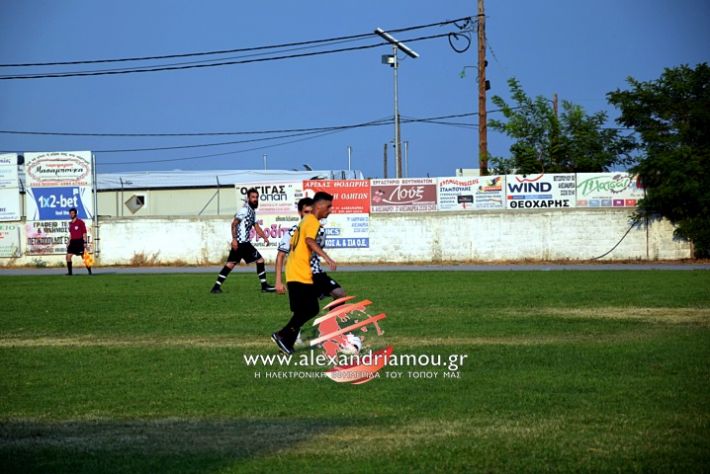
(392, 40)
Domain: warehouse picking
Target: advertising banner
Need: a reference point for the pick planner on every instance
(9, 188)
(9, 240)
(347, 231)
(274, 226)
(350, 196)
(47, 237)
(403, 195)
(274, 198)
(56, 182)
(465, 193)
(540, 192)
(608, 190)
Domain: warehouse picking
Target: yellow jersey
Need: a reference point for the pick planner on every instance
(298, 265)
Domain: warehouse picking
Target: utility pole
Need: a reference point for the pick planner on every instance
(554, 103)
(385, 174)
(482, 116)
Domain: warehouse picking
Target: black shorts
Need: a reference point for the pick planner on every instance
(303, 299)
(76, 247)
(245, 251)
(324, 284)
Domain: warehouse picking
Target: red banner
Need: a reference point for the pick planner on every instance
(350, 196)
(403, 195)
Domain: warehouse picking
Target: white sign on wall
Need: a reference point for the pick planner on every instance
(540, 192)
(274, 198)
(608, 190)
(9, 188)
(465, 193)
(347, 231)
(9, 240)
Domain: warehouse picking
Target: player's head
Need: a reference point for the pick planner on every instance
(253, 198)
(305, 206)
(322, 204)
(72, 212)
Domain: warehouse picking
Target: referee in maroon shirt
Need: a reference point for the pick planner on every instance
(77, 237)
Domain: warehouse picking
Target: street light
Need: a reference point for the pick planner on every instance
(394, 63)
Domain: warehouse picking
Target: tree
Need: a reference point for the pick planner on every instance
(671, 116)
(545, 142)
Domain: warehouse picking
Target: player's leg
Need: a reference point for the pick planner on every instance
(232, 261)
(304, 305)
(253, 255)
(75, 247)
(261, 272)
(325, 286)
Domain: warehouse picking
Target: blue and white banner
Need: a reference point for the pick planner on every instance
(542, 191)
(56, 182)
(347, 231)
(54, 203)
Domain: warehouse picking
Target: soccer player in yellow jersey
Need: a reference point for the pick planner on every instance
(302, 293)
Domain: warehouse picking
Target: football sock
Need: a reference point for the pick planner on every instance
(222, 276)
(261, 272)
(69, 267)
(89, 268)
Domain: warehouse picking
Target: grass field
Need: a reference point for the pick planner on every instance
(566, 371)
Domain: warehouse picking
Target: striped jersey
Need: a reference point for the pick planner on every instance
(247, 218)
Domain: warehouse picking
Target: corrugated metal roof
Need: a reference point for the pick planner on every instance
(207, 178)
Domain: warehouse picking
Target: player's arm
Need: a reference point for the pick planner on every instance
(261, 233)
(314, 247)
(235, 226)
(85, 236)
(280, 257)
(283, 250)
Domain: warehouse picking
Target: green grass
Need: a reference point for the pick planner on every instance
(566, 371)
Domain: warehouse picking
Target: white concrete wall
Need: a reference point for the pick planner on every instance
(486, 236)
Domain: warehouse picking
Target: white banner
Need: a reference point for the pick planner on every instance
(50, 237)
(465, 193)
(347, 231)
(274, 198)
(9, 188)
(9, 240)
(540, 192)
(56, 182)
(608, 190)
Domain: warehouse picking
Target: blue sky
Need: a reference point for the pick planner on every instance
(579, 49)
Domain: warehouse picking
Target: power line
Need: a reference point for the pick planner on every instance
(252, 132)
(234, 152)
(236, 50)
(195, 66)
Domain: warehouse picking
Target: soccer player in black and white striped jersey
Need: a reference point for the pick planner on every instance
(241, 247)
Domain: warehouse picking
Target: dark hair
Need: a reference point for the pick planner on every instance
(252, 190)
(73, 209)
(322, 196)
(304, 202)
